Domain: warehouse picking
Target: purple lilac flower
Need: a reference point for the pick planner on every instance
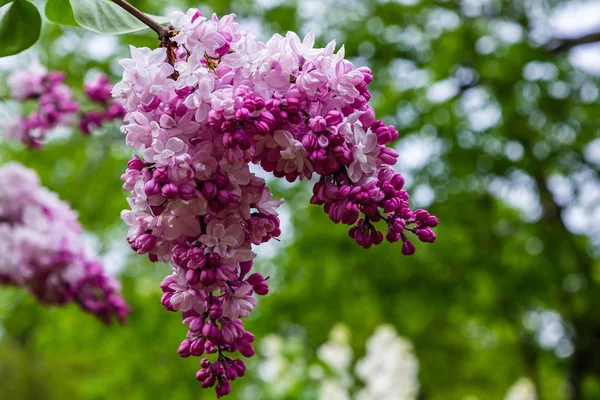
(197, 115)
(42, 249)
(55, 106)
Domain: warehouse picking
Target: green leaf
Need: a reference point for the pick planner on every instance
(19, 27)
(60, 12)
(4, 2)
(103, 16)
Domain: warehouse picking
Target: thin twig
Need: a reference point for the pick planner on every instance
(563, 44)
(163, 33)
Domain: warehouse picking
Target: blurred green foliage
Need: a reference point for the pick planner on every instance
(469, 302)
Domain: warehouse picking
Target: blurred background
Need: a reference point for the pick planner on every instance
(497, 107)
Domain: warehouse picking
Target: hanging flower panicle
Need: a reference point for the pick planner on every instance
(98, 92)
(56, 106)
(42, 248)
(198, 113)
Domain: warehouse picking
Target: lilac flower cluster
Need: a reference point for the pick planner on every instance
(41, 248)
(55, 104)
(198, 112)
(98, 91)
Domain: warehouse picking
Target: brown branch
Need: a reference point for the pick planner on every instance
(161, 31)
(559, 45)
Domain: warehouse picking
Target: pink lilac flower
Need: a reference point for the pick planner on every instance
(43, 249)
(98, 91)
(198, 115)
(56, 106)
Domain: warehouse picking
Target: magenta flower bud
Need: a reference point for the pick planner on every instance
(239, 366)
(184, 348)
(426, 235)
(363, 238)
(377, 238)
(221, 181)
(216, 368)
(258, 283)
(167, 282)
(209, 190)
(223, 388)
(392, 236)
(151, 187)
(421, 215)
(261, 127)
(246, 350)
(197, 259)
(224, 196)
(408, 249)
(135, 163)
(192, 276)
(387, 155)
(197, 347)
(207, 277)
(432, 222)
(208, 382)
(333, 164)
(350, 216)
(242, 114)
(255, 279)
(160, 174)
(215, 312)
(245, 267)
(230, 373)
(398, 225)
(367, 75)
(196, 325)
(397, 181)
(186, 191)
(376, 195)
(310, 142)
(262, 289)
(318, 156)
(391, 204)
(166, 301)
(334, 118)
(352, 232)
(213, 260)
(317, 124)
(202, 375)
(144, 243)
(211, 331)
(336, 212)
(169, 191)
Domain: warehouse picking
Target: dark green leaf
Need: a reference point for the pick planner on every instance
(60, 12)
(4, 2)
(19, 27)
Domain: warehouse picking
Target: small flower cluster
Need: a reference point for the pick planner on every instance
(56, 106)
(98, 91)
(41, 248)
(198, 112)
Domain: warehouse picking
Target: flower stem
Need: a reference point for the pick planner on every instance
(163, 33)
